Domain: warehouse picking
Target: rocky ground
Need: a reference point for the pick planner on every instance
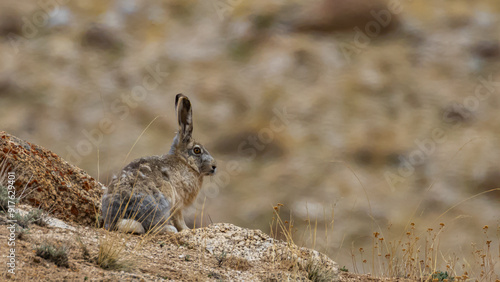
(214, 253)
(158, 258)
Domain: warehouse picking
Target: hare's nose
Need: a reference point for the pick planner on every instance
(214, 169)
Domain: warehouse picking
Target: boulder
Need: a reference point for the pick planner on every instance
(44, 180)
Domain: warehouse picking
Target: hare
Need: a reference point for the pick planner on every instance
(152, 190)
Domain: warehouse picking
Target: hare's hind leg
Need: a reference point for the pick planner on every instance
(127, 213)
(112, 209)
(153, 212)
(130, 226)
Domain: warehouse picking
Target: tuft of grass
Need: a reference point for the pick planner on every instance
(84, 249)
(4, 199)
(344, 269)
(221, 258)
(35, 216)
(238, 263)
(112, 254)
(57, 254)
(318, 272)
(315, 269)
(214, 275)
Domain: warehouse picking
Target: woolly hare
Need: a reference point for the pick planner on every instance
(152, 190)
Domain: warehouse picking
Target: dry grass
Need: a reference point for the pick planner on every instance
(317, 272)
(415, 252)
(237, 263)
(4, 184)
(113, 253)
(314, 268)
(415, 255)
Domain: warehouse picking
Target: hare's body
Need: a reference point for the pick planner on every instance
(152, 190)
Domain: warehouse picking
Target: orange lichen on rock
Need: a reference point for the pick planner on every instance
(45, 180)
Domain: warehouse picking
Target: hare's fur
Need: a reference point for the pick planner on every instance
(152, 190)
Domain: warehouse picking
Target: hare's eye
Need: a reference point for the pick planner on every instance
(197, 150)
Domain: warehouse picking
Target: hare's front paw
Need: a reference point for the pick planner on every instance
(178, 221)
(169, 229)
(164, 229)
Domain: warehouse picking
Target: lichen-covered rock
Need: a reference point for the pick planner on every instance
(44, 180)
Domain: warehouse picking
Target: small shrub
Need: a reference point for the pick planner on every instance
(22, 220)
(36, 216)
(56, 254)
(442, 276)
(21, 232)
(221, 258)
(344, 269)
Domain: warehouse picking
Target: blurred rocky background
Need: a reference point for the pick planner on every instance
(360, 116)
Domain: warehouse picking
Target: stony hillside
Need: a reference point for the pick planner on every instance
(214, 253)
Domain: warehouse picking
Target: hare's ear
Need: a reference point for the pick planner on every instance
(184, 116)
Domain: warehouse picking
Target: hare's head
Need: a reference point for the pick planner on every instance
(184, 145)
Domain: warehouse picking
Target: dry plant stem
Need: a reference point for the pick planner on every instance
(137, 140)
(202, 211)
(432, 184)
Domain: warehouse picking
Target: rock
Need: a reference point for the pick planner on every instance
(346, 15)
(101, 37)
(10, 24)
(230, 144)
(486, 49)
(254, 246)
(46, 181)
